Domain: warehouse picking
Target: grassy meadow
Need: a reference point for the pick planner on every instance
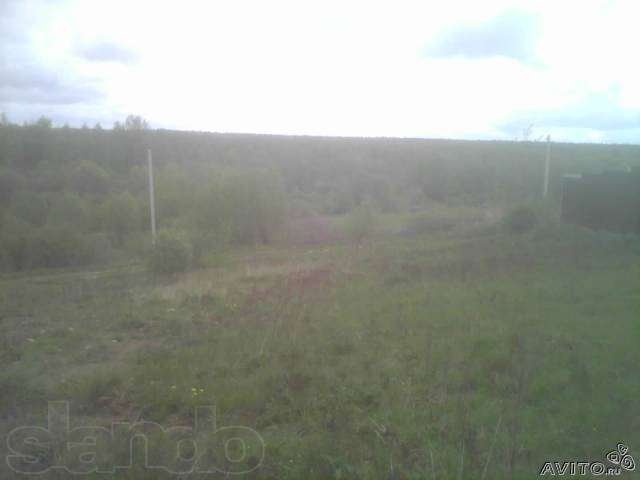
(449, 349)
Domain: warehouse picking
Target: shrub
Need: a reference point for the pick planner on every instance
(14, 243)
(244, 207)
(88, 178)
(120, 216)
(98, 249)
(10, 183)
(428, 223)
(30, 207)
(360, 223)
(15, 252)
(54, 247)
(205, 244)
(137, 245)
(521, 220)
(257, 205)
(68, 210)
(172, 253)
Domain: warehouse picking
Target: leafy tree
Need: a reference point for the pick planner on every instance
(47, 176)
(44, 123)
(120, 216)
(14, 243)
(88, 178)
(68, 209)
(35, 143)
(174, 193)
(382, 195)
(30, 207)
(171, 254)
(10, 183)
(135, 123)
(54, 246)
(360, 223)
(257, 204)
(432, 177)
(97, 249)
(521, 219)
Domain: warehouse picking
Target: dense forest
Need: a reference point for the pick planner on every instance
(72, 197)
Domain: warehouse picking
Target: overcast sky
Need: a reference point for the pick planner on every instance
(475, 69)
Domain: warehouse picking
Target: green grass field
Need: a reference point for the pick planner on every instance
(457, 353)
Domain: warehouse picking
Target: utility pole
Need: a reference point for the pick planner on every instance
(152, 202)
(545, 187)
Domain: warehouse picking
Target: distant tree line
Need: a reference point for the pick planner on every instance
(71, 197)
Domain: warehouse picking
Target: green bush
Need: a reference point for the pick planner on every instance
(10, 183)
(68, 210)
(55, 247)
(137, 245)
(521, 219)
(14, 243)
(257, 203)
(172, 253)
(98, 249)
(88, 178)
(15, 252)
(23, 248)
(30, 207)
(242, 207)
(205, 245)
(360, 223)
(120, 215)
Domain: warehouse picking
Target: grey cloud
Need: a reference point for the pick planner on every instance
(596, 111)
(24, 80)
(64, 96)
(12, 30)
(512, 34)
(629, 135)
(26, 77)
(29, 84)
(599, 111)
(107, 52)
(72, 115)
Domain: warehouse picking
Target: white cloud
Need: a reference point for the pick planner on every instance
(338, 67)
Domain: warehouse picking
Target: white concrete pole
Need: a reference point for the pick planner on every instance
(152, 202)
(545, 186)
